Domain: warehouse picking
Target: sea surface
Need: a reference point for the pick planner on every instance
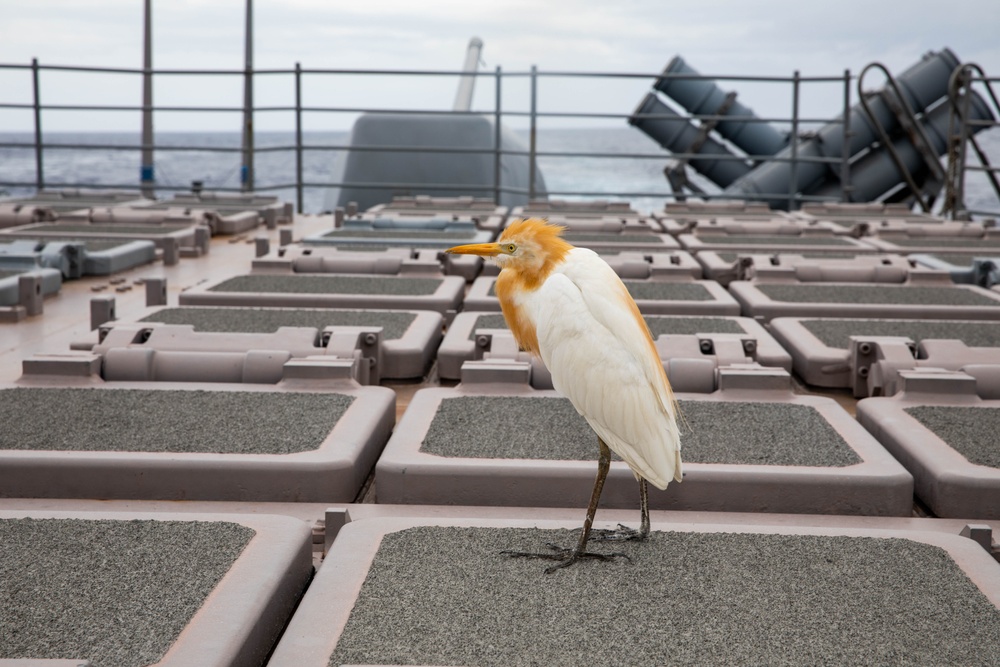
(214, 159)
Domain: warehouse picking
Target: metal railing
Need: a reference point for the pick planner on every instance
(961, 137)
(529, 114)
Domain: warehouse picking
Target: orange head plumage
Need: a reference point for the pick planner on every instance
(529, 248)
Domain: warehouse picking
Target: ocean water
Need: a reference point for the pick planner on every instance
(639, 180)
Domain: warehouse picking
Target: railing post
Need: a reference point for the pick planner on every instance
(39, 170)
(146, 169)
(794, 139)
(845, 154)
(298, 136)
(532, 137)
(496, 142)
(246, 173)
(967, 131)
(956, 144)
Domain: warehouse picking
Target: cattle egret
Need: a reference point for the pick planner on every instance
(566, 305)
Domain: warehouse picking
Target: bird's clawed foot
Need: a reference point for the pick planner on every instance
(564, 557)
(621, 534)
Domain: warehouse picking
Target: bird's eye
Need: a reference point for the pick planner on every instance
(510, 248)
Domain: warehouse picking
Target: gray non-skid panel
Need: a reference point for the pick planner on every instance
(691, 325)
(110, 230)
(789, 243)
(699, 598)
(657, 325)
(402, 232)
(507, 427)
(699, 297)
(328, 284)
(354, 291)
(938, 242)
(874, 294)
(296, 442)
(429, 219)
(389, 234)
(372, 246)
(582, 238)
(269, 320)
(509, 445)
(137, 420)
(837, 333)
(772, 240)
(659, 290)
(957, 260)
(972, 432)
(734, 255)
(660, 297)
(116, 592)
(627, 241)
(761, 434)
(667, 291)
(751, 433)
(946, 445)
(839, 300)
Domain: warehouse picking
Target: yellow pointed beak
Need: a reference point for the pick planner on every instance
(481, 249)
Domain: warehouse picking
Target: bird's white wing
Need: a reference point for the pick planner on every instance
(600, 358)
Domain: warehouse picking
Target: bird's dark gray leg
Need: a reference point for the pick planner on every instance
(563, 556)
(643, 508)
(623, 532)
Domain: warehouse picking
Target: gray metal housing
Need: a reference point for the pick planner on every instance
(445, 173)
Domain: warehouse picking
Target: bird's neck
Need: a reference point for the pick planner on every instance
(509, 290)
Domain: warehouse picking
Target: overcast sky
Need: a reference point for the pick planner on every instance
(736, 37)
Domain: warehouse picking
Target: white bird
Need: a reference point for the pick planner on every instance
(566, 305)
